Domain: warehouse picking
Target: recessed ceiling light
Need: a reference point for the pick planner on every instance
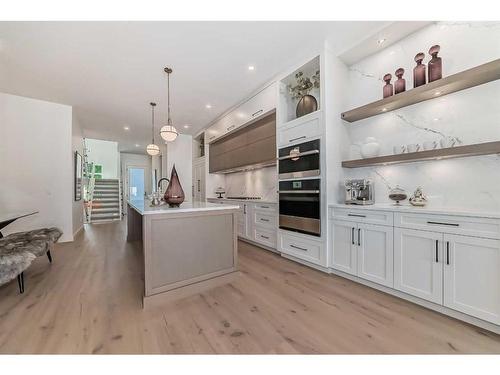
(384, 109)
(186, 126)
(251, 67)
(380, 41)
(436, 119)
(437, 93)
(126, 128)
(208, 106)
(137, 145)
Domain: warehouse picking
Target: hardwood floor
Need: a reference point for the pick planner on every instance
(89, 301)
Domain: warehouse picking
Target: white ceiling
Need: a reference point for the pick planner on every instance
(110, 71)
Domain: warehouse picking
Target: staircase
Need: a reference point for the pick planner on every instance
(105, 201)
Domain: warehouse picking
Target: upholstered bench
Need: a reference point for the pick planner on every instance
(18, 250)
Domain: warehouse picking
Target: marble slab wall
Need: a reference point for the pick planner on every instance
(472, 115)
(257, 183)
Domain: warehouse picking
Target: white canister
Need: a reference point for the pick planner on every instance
(430, 145)
(413, 147)
(370, 148)
(397, 150)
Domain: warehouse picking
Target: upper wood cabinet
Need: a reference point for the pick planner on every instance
(254, 108)
(252, 145)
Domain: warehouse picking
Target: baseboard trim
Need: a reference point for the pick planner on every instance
(158, 300)
(259, 245)
(78, 231)
(418, 301)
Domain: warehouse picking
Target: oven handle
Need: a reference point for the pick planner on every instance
(298, 192)
(305, 153)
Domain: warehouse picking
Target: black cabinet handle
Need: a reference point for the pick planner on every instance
(356, 215)
(296, 139)
(244, 209)
(264, 237)
(352, 236)
(437, 251)
(256, 113)
(261, 219)
(297, 247)
(448, 252)
(438, 223)
(359, 237)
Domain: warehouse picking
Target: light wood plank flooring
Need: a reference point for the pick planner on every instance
(89, 301)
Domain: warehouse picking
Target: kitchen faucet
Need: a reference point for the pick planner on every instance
(159, 182)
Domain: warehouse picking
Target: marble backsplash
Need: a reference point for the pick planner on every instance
(257, 183)
(472, 115)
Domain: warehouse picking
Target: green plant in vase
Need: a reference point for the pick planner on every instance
(301, 92)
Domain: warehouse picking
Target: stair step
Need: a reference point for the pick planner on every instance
(105, 216)
(102, 210)
(106, 199)
(107, 195)
(99, 204)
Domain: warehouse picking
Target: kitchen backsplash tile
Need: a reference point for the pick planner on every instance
(259, 182)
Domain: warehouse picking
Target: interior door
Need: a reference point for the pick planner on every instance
(375, 253)
(135, 183)
(472, 276)
(418, 267)
(344, 246)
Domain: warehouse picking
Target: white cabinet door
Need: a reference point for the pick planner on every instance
(418, 267)
(344, 246)
(258, 105)
(216, 131)
(375, 253)
(472, 276)
(243, 221)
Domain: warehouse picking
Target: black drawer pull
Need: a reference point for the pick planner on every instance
(298, 248)
(264, 206)
(439, 223)
(352, 236)
(356, 215)
(261, 219)
(447, 252)
(256, 113)
(264, 237)
(437, 254)
(296, 139)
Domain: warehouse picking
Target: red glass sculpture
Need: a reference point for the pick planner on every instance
(435, 66)
(174, 195)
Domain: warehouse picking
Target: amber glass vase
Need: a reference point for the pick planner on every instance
(419, 71)
(435, 65)
(400, 84)
(174, 195)
(388, 86)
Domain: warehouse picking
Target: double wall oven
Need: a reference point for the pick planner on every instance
(299, 191)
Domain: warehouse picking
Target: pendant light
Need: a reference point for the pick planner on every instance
(168, 132)
(152, 148)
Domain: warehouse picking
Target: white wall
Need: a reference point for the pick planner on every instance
(36, 163)
(135, 160)
(77, 145)
(180, 153)
(104, 153)
(473, 115)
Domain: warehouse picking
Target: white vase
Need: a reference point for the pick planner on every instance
(370, 148)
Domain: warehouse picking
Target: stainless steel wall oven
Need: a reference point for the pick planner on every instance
(299, 161)
(300, 207)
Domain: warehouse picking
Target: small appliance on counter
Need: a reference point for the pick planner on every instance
(219, 191)
(359, 191)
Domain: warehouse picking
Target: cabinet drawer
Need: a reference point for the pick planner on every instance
(301, 248)
(266, 207)
(299, 130)
(363, 216)
(265, 219)
(265, 236)
(467, 226)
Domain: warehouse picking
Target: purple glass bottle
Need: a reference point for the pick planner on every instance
(435, 65)
(400, 84)
(388, 86)
(419, 71)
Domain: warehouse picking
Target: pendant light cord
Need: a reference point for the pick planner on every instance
(153, 122)
(169, 121)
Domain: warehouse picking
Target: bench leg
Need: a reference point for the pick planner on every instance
(49, 256)
(20, 282)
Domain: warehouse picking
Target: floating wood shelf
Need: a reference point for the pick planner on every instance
(468, 78)
(442, 153)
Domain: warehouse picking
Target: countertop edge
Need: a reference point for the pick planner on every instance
(241, 200)
(419, 210)
(180, 210)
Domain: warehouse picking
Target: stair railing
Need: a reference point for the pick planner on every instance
(90, 192)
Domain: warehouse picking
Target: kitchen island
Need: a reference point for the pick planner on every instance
(186, 249)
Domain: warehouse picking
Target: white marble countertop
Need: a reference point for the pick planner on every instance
(212, 199)
(455, 211)
(143, 207)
